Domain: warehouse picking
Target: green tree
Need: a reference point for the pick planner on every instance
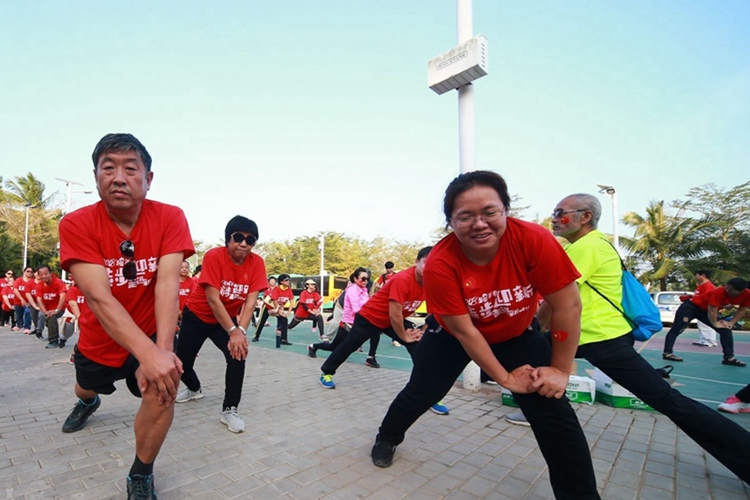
(665, 242)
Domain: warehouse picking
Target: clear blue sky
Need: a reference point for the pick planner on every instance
(309, 116)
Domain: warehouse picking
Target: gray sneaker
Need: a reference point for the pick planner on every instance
(186, 395)
(517, 418)
(233, 421)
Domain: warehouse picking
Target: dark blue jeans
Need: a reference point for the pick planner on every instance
(23, 317)
(439, 361)
(686, 313)
(725, 440)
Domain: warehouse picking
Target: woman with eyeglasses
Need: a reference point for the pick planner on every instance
(230, 280)
(483, 283)
(355, 296)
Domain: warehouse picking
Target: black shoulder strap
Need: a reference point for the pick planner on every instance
(624, 270)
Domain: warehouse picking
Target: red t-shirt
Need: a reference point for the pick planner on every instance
(24, 287)
(90, 235)
(311, 300)
(401, 287)
(49, 295)
(502, 296)
(719, 298)
(705, 288)
(75, 294)
(233, 282)
(186, 288)
(282, 297)
(383, 278)
(6, 289)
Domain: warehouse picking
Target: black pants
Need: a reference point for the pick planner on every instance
(439, 361)
(317, 321)
(193, 333)
(744, 394)
(341, 334)
(8, 317)
(262, 321)
(682, 318)
(728, 442)
(282, 327)
(362, 330)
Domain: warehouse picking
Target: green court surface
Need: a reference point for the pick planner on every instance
(701, 376)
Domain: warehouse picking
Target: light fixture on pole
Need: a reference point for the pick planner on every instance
(612, 192)
(69, 185)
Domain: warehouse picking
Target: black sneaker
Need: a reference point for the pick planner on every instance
(141, 487)
(255, 339)
(61, 343)
(52, 345)
(382, 452)
(372, 363)
(311, 351)
(286, 342)
(79, 414)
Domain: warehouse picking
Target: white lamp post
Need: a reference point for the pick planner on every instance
(612, 192)
(26, 236)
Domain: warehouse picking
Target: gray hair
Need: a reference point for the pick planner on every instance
(589, 202)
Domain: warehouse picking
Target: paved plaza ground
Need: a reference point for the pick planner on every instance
(305, 442)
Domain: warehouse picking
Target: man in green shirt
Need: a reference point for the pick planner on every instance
(607, 343)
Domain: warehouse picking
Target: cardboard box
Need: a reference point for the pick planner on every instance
(579, 390)
(613, 394)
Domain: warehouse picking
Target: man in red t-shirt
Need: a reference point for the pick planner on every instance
(125, 252)
(707, 334)
(187, 285)
(705, 307)
(280, 305)
(386, 312)
(50, 293)
(6, 300)
(383, 278)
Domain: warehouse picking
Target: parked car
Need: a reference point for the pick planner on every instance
(667, 303)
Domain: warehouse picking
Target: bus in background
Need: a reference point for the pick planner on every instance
(332, 287)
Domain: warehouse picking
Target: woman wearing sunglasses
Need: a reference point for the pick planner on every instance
(482, 283)
(231, 277)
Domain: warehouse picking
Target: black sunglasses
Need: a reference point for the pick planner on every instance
(129, 271)
(559, 212)
(239, 238)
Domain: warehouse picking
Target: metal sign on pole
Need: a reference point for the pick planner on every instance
(456, 69)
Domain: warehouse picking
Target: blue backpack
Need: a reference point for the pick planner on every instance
(637, 307)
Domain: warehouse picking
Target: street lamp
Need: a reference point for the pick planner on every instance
(69, 185)
(610, 190)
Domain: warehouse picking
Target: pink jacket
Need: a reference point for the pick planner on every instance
(355, 298)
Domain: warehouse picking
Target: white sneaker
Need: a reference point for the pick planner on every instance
(396, 343)
(733, 404)
(186, 395)
(233, 421)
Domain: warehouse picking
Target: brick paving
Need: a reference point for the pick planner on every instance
(305, 442)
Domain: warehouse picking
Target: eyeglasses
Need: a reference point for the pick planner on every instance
(129, 271)
(239, 238)
(559, 212)
(467, 220)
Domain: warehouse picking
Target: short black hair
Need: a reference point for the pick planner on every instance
(389, 265)
(240, 224)
(282, 277)
(466, 181)
(423, 253)
(703, 272)
(120, 143)
(738, 284)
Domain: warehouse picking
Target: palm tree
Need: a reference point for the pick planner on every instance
(667, 241)
(27, 190)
